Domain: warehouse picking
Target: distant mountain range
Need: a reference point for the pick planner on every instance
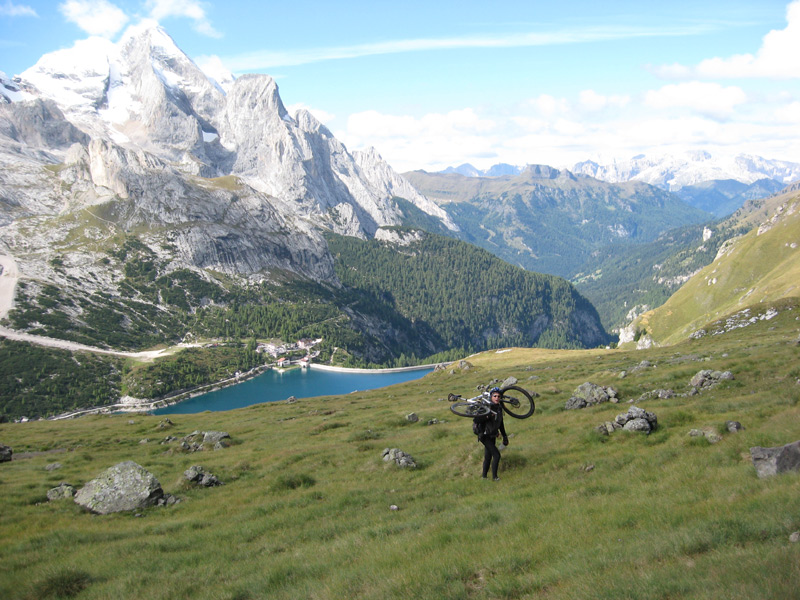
(667, 171)
(716, 185)
(675, 171)
(498, 170)
(550, 220)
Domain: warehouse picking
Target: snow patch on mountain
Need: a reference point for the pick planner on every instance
(675, 171)
(75, 78)
(138, 120)
(10, 92)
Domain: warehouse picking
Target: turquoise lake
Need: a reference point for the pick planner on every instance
(274, 385)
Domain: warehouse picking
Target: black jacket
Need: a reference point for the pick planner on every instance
(488, 425)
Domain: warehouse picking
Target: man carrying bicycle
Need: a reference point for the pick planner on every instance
(489, 427)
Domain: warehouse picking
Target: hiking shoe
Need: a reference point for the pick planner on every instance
(496, 479)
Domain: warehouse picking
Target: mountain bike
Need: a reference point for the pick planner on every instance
(517, 402)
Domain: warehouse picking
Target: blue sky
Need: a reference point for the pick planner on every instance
(432, 84)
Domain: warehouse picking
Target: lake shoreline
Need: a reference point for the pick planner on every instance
(277, 385)
(333, 369)
(129, 404)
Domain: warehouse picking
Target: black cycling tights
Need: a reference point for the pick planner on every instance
(491, 456)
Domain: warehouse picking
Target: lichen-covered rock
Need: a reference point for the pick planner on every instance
(125, 486)
(197, 474)
(711, 436)
(60, 492)
(201, 440)
(636, 419)
(637, 425)
(772, 461)
(706, 378)
(588, 394)
(400, 458)
(733, 426)
(212, 437)
(660, 394)
(509, 381)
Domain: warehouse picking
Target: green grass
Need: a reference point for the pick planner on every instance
(762, 267)
(304, 512)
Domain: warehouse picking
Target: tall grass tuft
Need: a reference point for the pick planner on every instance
(63, 583)
(292, 482)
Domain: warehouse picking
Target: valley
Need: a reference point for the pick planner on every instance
(204, 228)
(165, 231)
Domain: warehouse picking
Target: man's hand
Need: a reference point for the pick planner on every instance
(505, 441)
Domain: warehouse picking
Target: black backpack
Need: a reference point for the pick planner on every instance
(484, 425)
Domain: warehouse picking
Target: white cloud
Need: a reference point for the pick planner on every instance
(777, 58)
(191, 9)
(9, 9)
(788, 113)
(427, 140)
(548, 105)
(703, 97)
(254, 61)
(591, 100)
(95, 17)
(557, 132)
(456, 122)
(213, 67)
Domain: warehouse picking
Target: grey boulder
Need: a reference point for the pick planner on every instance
(772, 461)
(60, 492)
(125, 486)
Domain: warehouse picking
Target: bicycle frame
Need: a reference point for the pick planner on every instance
(519, 404)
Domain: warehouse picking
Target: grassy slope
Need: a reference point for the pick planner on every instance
(760, 267)
(650, 273)
(305, 509)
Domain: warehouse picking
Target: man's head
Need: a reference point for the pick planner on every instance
(495, 395)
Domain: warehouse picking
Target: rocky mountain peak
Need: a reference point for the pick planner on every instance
(224, 177)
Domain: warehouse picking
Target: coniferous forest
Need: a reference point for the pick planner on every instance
(469, 297)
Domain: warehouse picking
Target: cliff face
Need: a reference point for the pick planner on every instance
(133, 186)
(133, 137)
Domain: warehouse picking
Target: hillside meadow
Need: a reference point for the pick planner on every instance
(761, 266)
(304, 511)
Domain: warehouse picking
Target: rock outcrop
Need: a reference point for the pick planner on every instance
(707, 378)
(636, 419)
(61, 492)
(197, 474)
(125, 486)
(198, 441)
(400, 458)
(589, 394)
(773, 461)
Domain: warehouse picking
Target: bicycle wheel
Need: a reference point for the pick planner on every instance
(469, 409)
(517, 402)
